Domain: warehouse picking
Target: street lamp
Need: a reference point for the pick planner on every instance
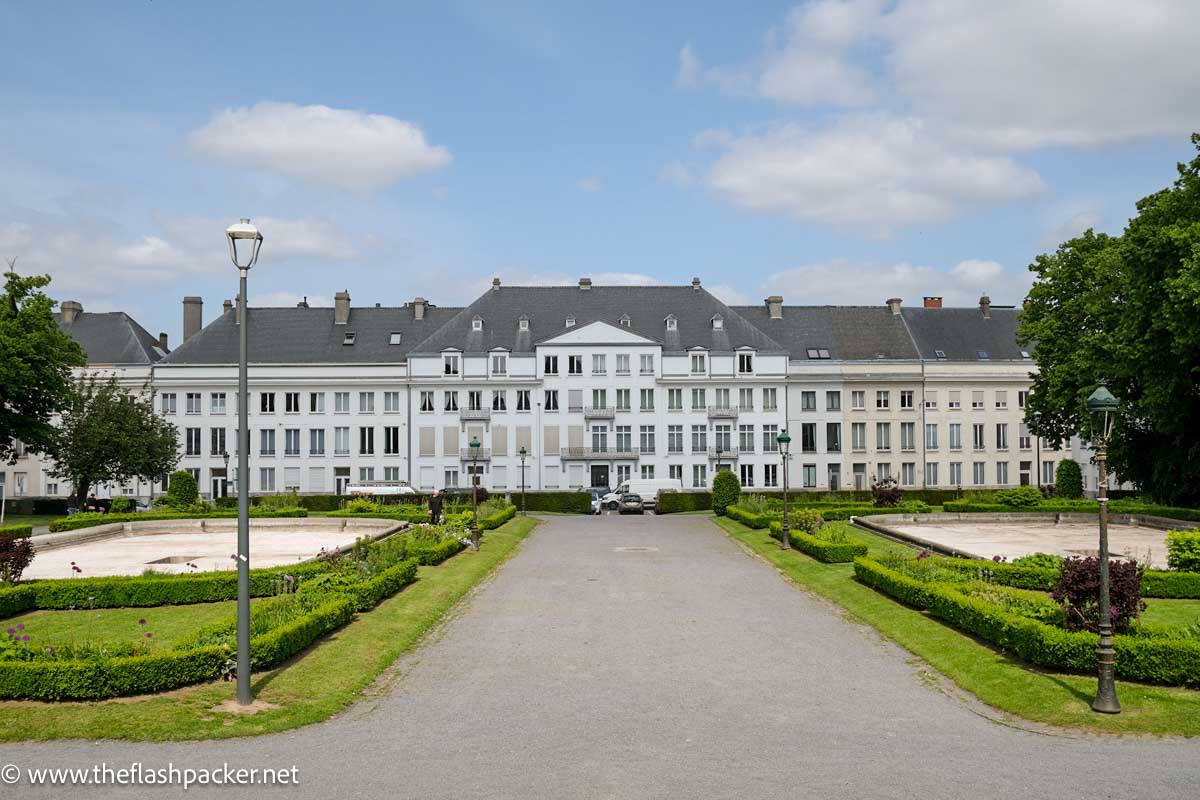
(1102, 406)
(523, 454)
(225, 483)
(785, 539)
(474, 445)
(244, 243)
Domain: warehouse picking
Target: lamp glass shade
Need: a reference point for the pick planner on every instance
(474, 445)
(244, 243)
(1101, 401)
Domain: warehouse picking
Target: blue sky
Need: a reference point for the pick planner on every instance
(830, 152)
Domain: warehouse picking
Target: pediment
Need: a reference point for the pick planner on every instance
(598, 332)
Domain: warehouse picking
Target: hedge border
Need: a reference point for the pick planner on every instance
(17, 531)
(821, 550)
(78, 521)
(1156, 584)
(1060, 506)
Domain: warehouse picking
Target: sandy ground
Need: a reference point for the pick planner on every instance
(1067, 539)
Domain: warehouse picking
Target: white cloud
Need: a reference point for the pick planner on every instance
(1069, 227)
(729, 295)
(591, 183)
(284, 298)
(346, 148)
(870, 171)
(677, 173)
(844, 282)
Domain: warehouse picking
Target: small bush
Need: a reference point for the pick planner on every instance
(275, 502)
(1183, 551)
(15, 555)
(1068, 480)
(1078, 591)
(562, 502)
(16, 531)
(913, 507)
(886, 493)
(121, 505)
(1019, 497)
(807, 520)
(678, 502)
(1040, 561)
(181, 490)
(726, 491)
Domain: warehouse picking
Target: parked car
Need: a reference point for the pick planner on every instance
(648, 488)
(631, 504)
(597, 499)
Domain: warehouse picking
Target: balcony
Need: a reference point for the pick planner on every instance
(722, 454)
(476, 454)
(601, 453)
(599, 412)
(475, 414)
(722, 412)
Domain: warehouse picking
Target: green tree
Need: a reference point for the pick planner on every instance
(109, 434)
(1126, 310)
(36, 358)
(182, 491)
(1068, 480)
(726, 491)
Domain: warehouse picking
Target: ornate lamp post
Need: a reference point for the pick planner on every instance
(225, 483)
(785, 539)
(523, 454)
(1102, 406)
(244, 244)
(474, 446)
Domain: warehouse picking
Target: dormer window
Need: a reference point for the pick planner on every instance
(349, 338)
(717, 322)
(941, 354)
(570, 322)
(1025, 354)
(672, 323)
(523, 324)
(625, 321)
(394, 337)
(983, 355)
(477, 324)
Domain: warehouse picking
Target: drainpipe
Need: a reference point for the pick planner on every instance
(924, 453)
(408, 430)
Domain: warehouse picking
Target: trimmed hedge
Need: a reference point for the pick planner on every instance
(77, 521)
(562, 502)
(497, 519)
(17, 600)
(820, 549)
(400, 514)
(1155, 583)
(110, 677)
(369, 594)
(1174, 662)
(675, 502)
(1064, 506)
(1171, 585)
(279, 644)
(1183, 550)
(17, 531)
(431, 555)
(750, 519)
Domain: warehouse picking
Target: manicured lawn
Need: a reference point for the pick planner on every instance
(993, 677)
(115, 625)
(328, 677)
(30, 519)
(1172, 612)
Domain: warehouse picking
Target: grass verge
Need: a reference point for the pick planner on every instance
(119, 625)
(327, 678)
(994, 678)
(1172, 612)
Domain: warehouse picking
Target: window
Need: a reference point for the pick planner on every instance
(699, 476)
(316, 441)
(394, 337)
(450, 364)
(675, 399)
(391, 440)
(216, 403)
(624, 321)
(266, 479)
(341, 402)
(366, 441)
(931, 400)
(717, 322)
(600, 438)
(955, 436)
(745, 438)
(956, 473)
(808, 401)
(475, 400)
(291, 402)
(746, 474)
(477, 323)
(291, 442)
(983, 355)
(809, 471)
(193, 442)
(770, 474)
(906, 400)
(647, 400)
(674, 438)
(646, 362)
(391, 402)
(833, 437)
(647, 472)
(1002, 473)
(858, 400)
(427, 401)
(193, 402)
(1002, 436)
(833, 401)
(341, 441)
(450, 478)
(522, 399)
(1048, 473)
(168, 403)
(858, 435)
(366, 402)
(316, 402)
(808, 437)
(745, 363)
(646, 439)
(349, 338)
(366, 474)
(599, 364)
(699, 438)
(675, 472)
(622, 363)
(599, 398)
(698, 400)
(931, 436)
(266, 402)
(908, 435)
(908, 473)
(672, 323)
(977, 436)
(722, 399)
(551, 400)
(569, 322)
(391, 474)
(217, 440)
(697, 363)
(955, 401)
(885, 471)
(623, 399)
(770, 438)
(500, 401)
(266, 442)
(499, 364)
(624, 438)
(450, 401)
(550, 365)
(883, 399)
(574, 365)
(977, 400)
(1022, 399)
(745, 399)
(1001, 399)
(770, 399)
(883, 436)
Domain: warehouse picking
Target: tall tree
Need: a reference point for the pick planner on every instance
(108, 434)
(1126, 310)
(36, 358)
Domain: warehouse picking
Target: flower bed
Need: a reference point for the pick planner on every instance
(829, 551)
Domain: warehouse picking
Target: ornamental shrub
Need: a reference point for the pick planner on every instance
(886, 493)
(15, 555)
(181, 490)
(121, 505)
(1068, 480)
(16, 531)
(1019, 497)
(1039, 560)
(726, 491)
(1078, 591)
(1183, 551)
(805, 519)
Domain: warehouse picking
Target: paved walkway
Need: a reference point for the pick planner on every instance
(650, 657)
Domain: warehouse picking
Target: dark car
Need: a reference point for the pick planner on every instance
(630, 504)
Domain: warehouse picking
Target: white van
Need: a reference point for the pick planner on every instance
(647, 488)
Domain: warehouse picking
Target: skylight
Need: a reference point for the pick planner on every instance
(349, 338)
(983, 355)
(818, 352)
(394, 337)
(940, 353)
(1025, 354)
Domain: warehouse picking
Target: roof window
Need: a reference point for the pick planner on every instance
(477, 324)
(523, 323)
(570, 322)
(672, 323)
(983, 355)
(625, 320)
(940, 354)
(349, 339)
(717, 322)
(1025, 354)
(818, 352)
(394, 337)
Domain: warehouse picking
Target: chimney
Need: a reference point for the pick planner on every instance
(495, 283)
(585, 283)
(193, 314)
(775, 306)
(985, 306)
(695, 284)
(933, 302)
(227, 306)
(418, 306)
(893, 304)
(341, 307)
(71, 309)
(303, 303)
(162, 343)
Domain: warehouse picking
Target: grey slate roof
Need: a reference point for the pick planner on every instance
(309, 336)
(960, 333)
(112, 337)
(849, 333)
(548, 307)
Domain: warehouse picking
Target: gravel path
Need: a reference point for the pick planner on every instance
(650, 657)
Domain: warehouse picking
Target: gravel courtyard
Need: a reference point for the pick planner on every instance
(619, 657)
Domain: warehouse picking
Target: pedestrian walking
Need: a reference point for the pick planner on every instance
(435, 507)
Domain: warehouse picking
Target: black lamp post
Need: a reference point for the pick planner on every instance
(785, 539)
(474, 445)
(225, 483)
(1102, 406)
(524, 454)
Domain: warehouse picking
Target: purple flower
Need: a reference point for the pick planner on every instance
(20, 626)
(997, 559)
(49, 651)
(149, 635)
(142, 621)
(25, 638)
(11, 631)
(922, 554)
